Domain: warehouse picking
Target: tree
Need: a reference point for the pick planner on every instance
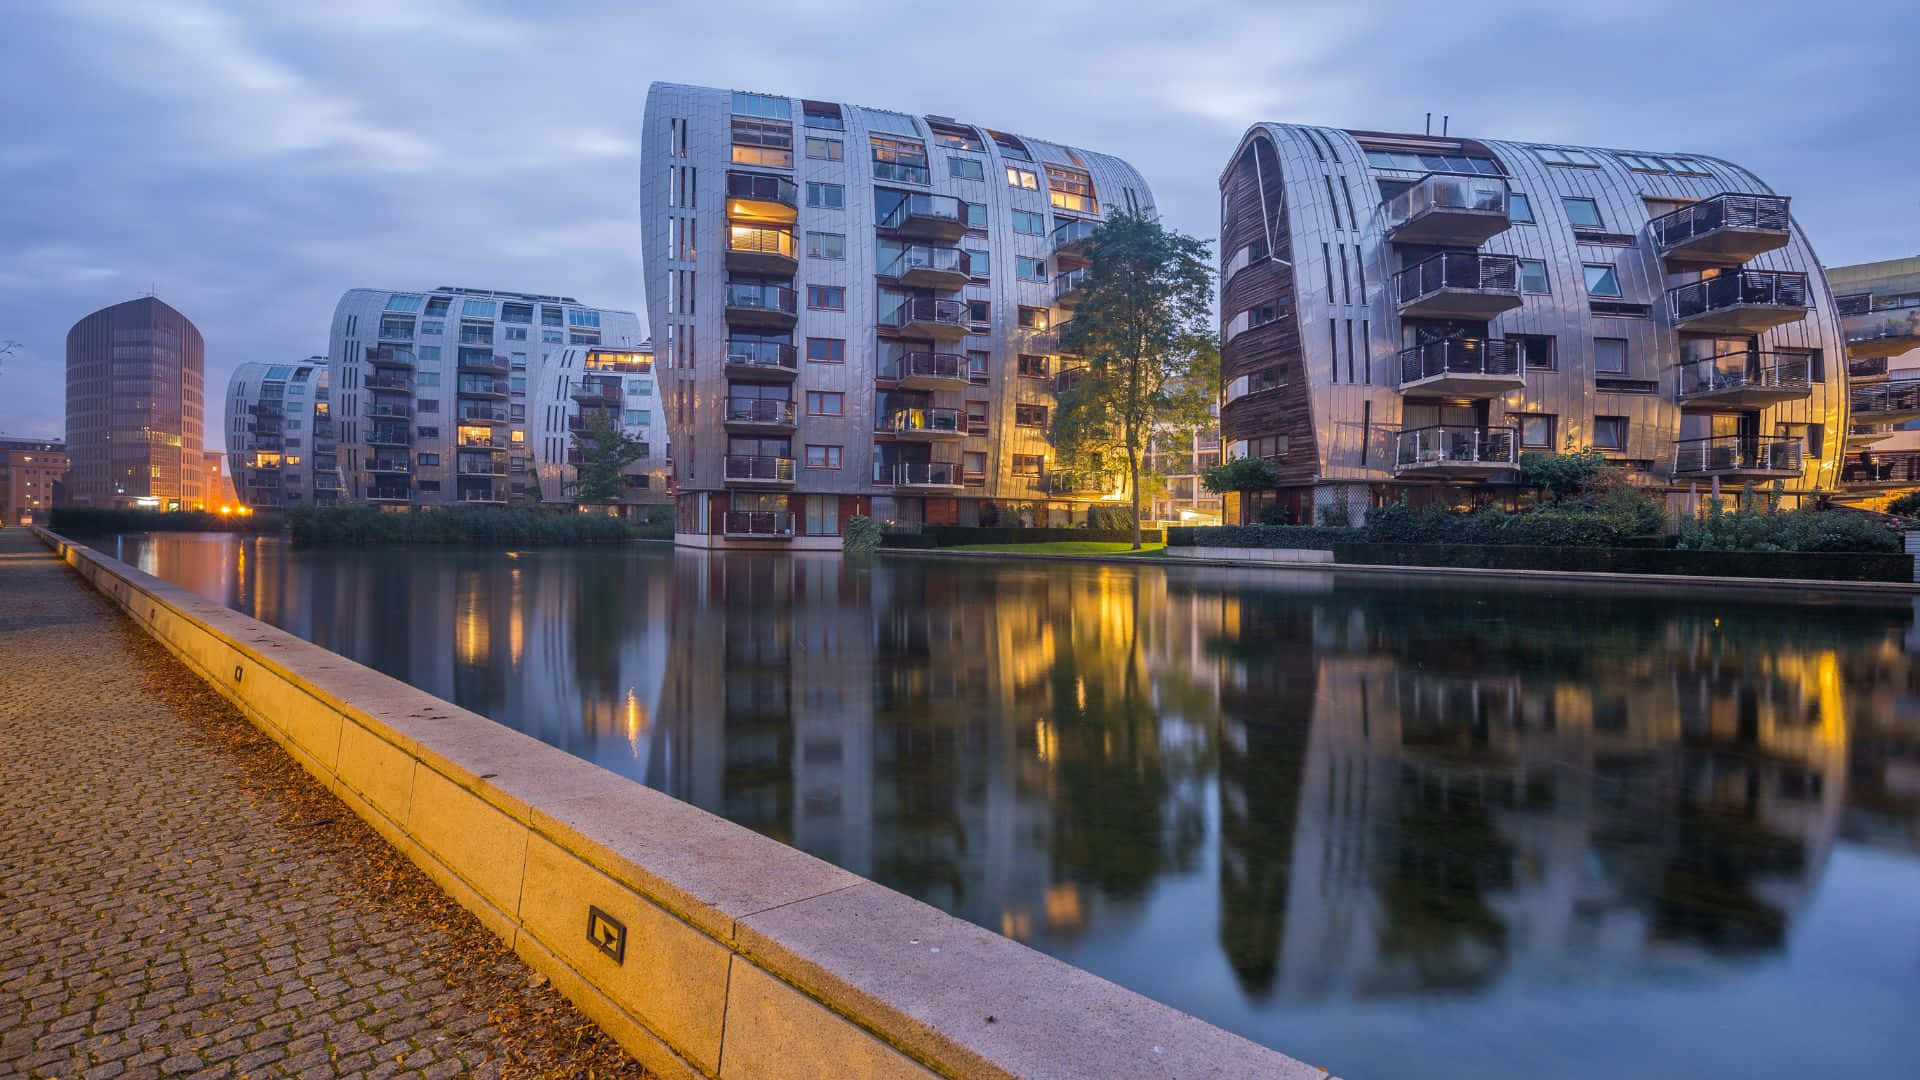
(1143, 329)
(605, 451)
(1241, 474)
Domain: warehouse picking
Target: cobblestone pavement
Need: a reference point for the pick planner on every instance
(177, 898)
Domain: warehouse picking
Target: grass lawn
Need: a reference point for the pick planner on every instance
(1069, 547)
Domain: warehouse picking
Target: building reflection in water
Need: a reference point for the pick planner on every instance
(1374, 792)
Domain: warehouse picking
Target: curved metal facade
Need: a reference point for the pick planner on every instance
(1314, 340)
(280, 437)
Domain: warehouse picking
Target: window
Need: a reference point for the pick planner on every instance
(825, 149)
(1029, 269)
(428, 459)
(827, 297)
(519, 361)
(433, 327)
(825, 403)
(978, 263)
(428, 432)
(756, 142)
(1268, 446)
(1033, 367)
(404, 302)
(1657, 164)
(1035, 318)
(1558, 155)
(978, 362)
(966, 168)
(823, 457)
(1536, 350)
(1028, 464)
(516, 333)
(973, 466)
(1536, 432)
(773, 108)
(1610, 433)
(478, 309)
(516, 313)
(549, 316)
(1533, 276)
(1030, 415)
(827, 350)
(1028, 223)
(1025, 179)
(900, 160)
(1601, 280)
(1417, 162)
(1070, 189)
(976, 418)
(979, 312)
(826, 196)
(427, 405)
(823, 515)
(976, 214)
(826, 245)
(549, 336)
(821, 114)
(439, 305)
(1610, 355)
(1583, 213)
(1519, 210)
(425, 379)
(583, 317)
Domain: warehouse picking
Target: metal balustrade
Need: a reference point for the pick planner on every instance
(1744, 377)
(757, 467)
(918, 474)
(1783, 290)
(1895, 399)
(1457, 447)
(763, 523)
(1492, 357)
(1459, 284)
(1737, 454)
(760, 411)
(1697, 225)
(929, 420)
(1448, 208)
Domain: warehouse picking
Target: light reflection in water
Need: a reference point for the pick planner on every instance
(1477, 831)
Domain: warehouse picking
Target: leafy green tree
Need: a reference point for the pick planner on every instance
(1241, 475)
(604, 451)
(1143, 329)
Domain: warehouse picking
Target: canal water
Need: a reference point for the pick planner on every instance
(1417, 828)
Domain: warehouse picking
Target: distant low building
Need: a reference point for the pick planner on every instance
(29, 471)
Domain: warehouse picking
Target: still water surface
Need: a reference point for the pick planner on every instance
(1413, 829)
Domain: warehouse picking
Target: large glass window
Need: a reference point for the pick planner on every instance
(966, 168)
(773, 108)
(826, 196)
(1029, 269)
(976, 215)
(404, 302)
(1025, 179)
(826, 245)
(1583, 213)
(1028, 223)
(825, 149)
(478, 309)
(758, 142)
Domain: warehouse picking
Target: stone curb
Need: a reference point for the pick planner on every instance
(704, 948)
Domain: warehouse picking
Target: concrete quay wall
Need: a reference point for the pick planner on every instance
(706, 949)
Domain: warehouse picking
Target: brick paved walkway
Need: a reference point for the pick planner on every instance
(177, 898)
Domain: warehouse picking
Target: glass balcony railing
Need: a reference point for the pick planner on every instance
(1898, 396)
(1445, 446)
(771, 298)
(395, 410)
(918, 474)
(1461, 271)
(761, 187)
(924, 420)
(389, 435)
(762, 354)
(389, 465)
(1737, 454)
(1874, 367)
(1443, 203)
(1072, 233)
(1739, 288)
(767, 523)
(752, 240)
(929, 259)
(400, 383)
(489, 362)
(1067, 287)
(760, 411)
(1853, 304)
(757, 467)
(1893, 468)
(1760, 213)
(388, 494)
(929, 312)
(1744, 374)
(921, 364)
(482, 414)
(1460, 356)
(925, 210)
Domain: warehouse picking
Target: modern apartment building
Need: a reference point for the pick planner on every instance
(135, 402)
(855, 312)
(1406, 316)
(1879, 305)
(577, 386)
(430, 389)
(220, 490)
(281, 448)
(29, 469)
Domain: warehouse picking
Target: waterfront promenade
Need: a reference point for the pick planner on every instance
(180, 899)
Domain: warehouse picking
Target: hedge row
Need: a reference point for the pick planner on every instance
(89, 521)
(357, 525)
(1262, 536)
(1808, 566)
(932, 536)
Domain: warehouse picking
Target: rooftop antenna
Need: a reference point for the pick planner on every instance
(1429, 123)
(1443, 125)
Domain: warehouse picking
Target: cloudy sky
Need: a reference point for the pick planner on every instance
(250, 160)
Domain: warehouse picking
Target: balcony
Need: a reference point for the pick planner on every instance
(389, 495)
(919, 475)
(925, 424)
(1069, 287)
(1868, 434)
(474, 441)
(1463, 367)
(761, 307)
(1456, 285)
(482, 496)
(600, 393)
(1447, 209)
(924, 370)
(749, 415)
(757, 524)
(388, 410)
(483, 387)
(1880, 334)
(1742, 457)
(1724, 231)
(939, 219)
(1068, 378)
(1465, 453)
(923, 266)
(391, 435)
(752, 249)
(482, 414)
(761, 197)
(491, 363)
(390, 466)
(1743, 380)
(1080, 483)
(757, 470)
(482, 465)
(925, 317)
(1070, 241)
(1894, 469)
(397, 383)
(390, 357)
(761, 360)
(1887, 402)
(1739, 302)
(1867, 369)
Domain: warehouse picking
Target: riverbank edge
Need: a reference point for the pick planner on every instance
(704, 948)
(1798, 585)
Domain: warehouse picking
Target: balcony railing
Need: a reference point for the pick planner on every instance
(1853, 304)
(762, 468)
(761, 187)
(1887, 400)
(401, 383)
(1784, 292)
(932, 266)
(1881, 333)
(920, 364)
(480, 442)
(1496, 357)
(604, 393)
(377, 409)
(489, 387)
(1069, 236)
(1444, 447)
(482, 465)
(929, 420)
(476, 335)
(1745, 376)
(753, 240)
(759, 411)
(1874, 367)
(488, 363)
(926, 211)
(1079, 483)
(389, 465)
(918, 474)
(388, 494)
(1724, 230)
(771, 304)
(767, 523)
(1068, 287)
(762, 355)
(1894, 468)
(1463, 284)
(1448, 208)
(390, 436)
(388, 356)
(482, 414)
(1737, 454)
(920, 312)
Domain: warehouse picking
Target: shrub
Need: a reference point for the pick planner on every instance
(1907, 506)
(359, 525)
(84, 520)
(1561, 475)
(860, 536)
(1240, 474)
(1262, 536)
(1337, 515)
(1110, 518)
(1276, 514)
(1753, 529)
(1399, 523)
